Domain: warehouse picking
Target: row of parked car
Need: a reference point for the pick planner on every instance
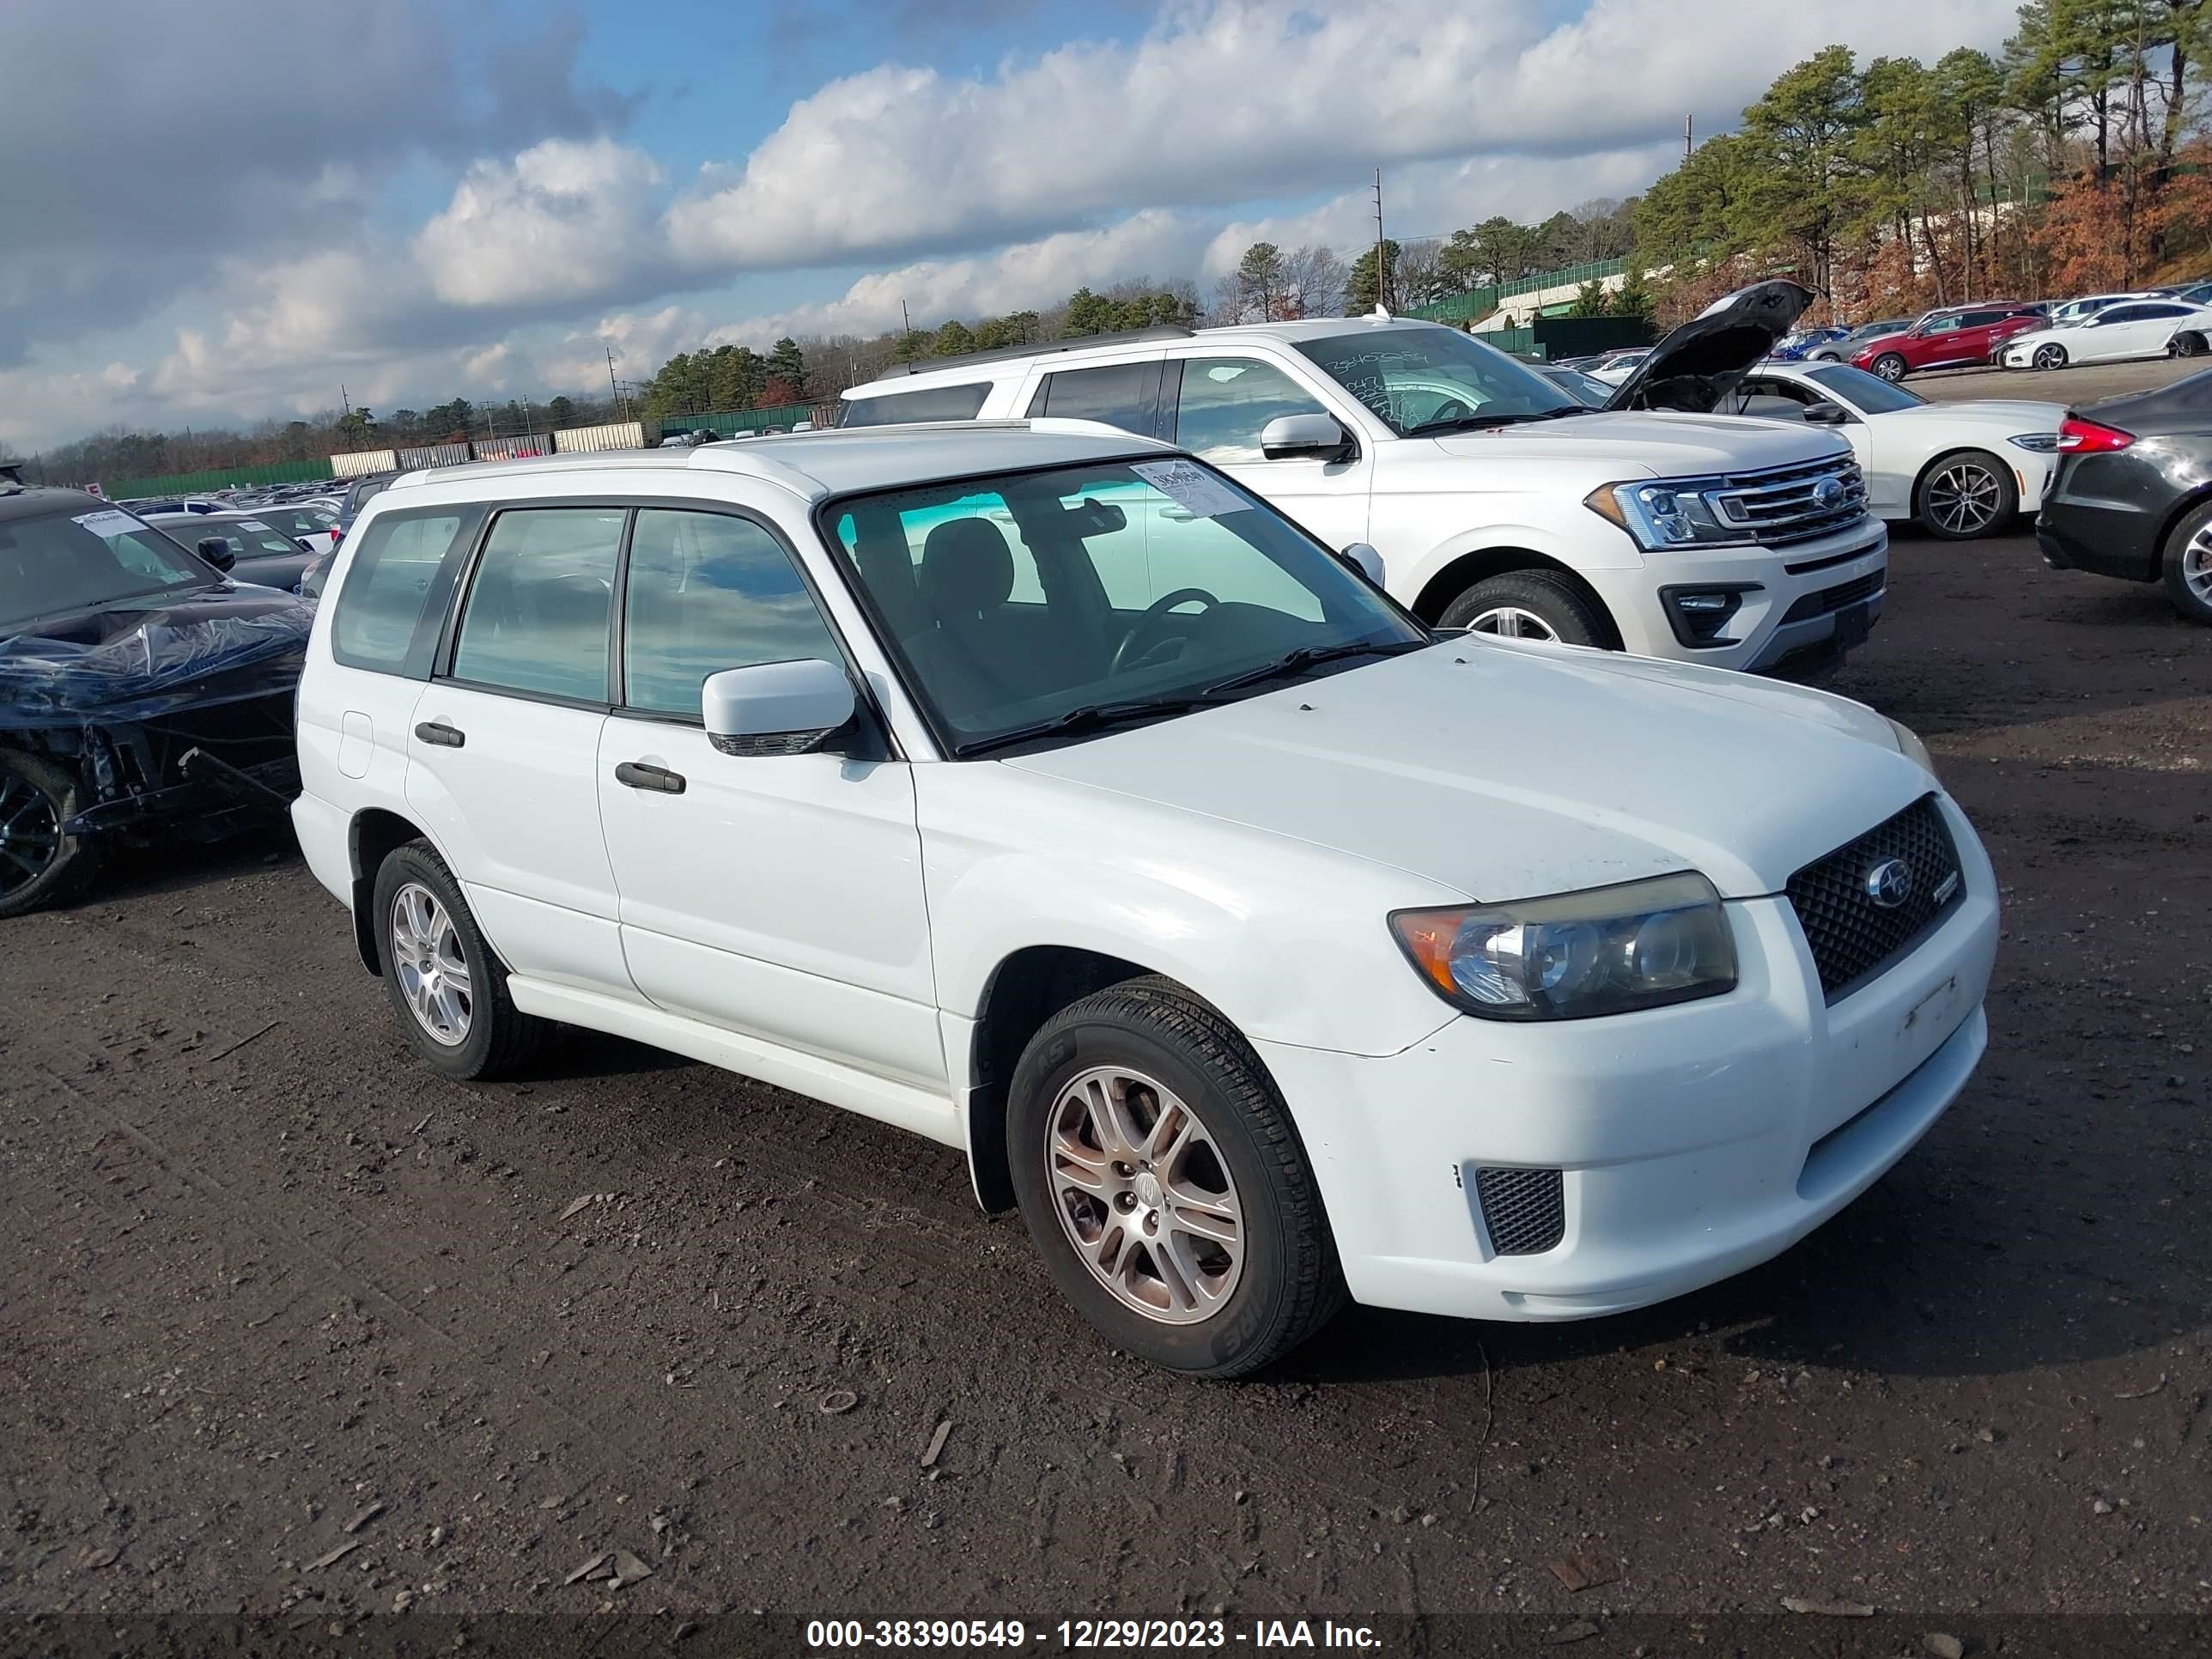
(1185, 773)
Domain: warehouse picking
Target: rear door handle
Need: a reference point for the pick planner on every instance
(641, 774)
(445, 736)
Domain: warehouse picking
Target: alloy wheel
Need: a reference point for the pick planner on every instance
(431, 968)
(2050, 357)
(1963, 498)
(2197, 566)
(30, 832)
(1145, 1195)
(1512, 622)
(1890, 367)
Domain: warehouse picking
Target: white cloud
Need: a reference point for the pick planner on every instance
(561, 221)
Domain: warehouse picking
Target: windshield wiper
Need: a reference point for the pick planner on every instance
(1306, 657)
(1479, 423)
(1091, 717)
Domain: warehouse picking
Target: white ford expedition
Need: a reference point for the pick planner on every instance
(1048, 794)
(1496, 502)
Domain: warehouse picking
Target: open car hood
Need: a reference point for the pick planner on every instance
(1701, 363)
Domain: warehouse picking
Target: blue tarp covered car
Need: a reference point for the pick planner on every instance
(143, 695)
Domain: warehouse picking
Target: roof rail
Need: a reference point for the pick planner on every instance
(1121, 336)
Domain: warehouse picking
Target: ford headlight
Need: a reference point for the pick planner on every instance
(1605, 950)
(1910, 746)
(1661, 513)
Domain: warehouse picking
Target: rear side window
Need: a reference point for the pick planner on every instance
(1127, 395)
(536, 616)
(397, 584)
(707, 591)
(937, 403)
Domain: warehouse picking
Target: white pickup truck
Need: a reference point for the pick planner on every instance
(1495, 501)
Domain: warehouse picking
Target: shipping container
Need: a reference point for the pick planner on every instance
(361, 463)
(622, 434)
(434, 455)
(513, 449)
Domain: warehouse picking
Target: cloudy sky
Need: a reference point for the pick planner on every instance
(221, 211)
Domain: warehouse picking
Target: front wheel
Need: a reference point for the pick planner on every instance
(1528, 605)
(449, 988)
(1890, 367)
(38, 863)
(2049, 356)
(1964, 495)
(1161, 1178)
(2189, 565)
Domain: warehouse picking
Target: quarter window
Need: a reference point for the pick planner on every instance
(396, 581)
(1227, 401)
(940, 403)
(707, 591)
(536, 619)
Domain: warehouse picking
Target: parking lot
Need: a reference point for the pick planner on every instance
(294, 1329)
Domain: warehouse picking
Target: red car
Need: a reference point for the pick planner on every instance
(1947, 338)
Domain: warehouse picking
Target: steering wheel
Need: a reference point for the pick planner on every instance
(1155, 613)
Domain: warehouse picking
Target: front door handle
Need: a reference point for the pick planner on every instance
(445, 736)
(642, 774)
(1176, 515)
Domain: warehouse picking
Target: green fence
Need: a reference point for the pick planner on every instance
(202, 483)
(1477, 303)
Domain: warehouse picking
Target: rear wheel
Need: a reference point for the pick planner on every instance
(2189, 565)
(1890, 367)
(2185, 345)
(450, 989)
(38, 863)
(1161, 1178)
(2049, 356)
(1528, 605)
(1964, 495)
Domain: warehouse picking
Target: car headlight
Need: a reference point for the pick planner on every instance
(1664, 512)
(1604, 951)
(2041, 442)
(1910, 746)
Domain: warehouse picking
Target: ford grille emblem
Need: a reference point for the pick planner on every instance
(1889, 883)
(1828, 495)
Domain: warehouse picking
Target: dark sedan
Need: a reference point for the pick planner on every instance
(260, 552)
(2133, 493)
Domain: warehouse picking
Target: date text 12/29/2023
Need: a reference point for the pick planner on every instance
(1077, 1634)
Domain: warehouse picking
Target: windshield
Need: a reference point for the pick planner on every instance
(1096, 595)
(1432, 378)
(248, 538)
(1869, 393)
(66, 561)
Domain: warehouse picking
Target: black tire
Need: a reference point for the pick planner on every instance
(499, 1038)
(2180, 560)
(1964, 495)
(2049, 354)
(1890, 367)
(1290, 1284)
(39, 864)
(2187, 343)
(1558, 603)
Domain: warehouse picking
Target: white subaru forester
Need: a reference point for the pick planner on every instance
(1041, 791)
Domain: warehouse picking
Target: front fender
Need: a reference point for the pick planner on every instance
(1289, 941)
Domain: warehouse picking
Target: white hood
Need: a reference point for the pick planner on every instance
(1666, 445)
(1508, 771)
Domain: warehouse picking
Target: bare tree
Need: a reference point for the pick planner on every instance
(1312, 283)
(1418, 276)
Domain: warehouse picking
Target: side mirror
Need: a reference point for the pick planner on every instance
(776, 707)
(1827, 414)
(216, 551)
(1365, 560)
(1305, 437)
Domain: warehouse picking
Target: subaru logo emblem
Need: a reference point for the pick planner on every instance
(1828, 495)
(1889, 883)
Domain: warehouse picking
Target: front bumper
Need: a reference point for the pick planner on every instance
(1799, 606)
(1695, 1141)
(204, 807)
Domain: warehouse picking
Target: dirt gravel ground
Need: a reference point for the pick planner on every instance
(289, 1330)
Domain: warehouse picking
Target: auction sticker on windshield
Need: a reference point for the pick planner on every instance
(110, 523)
(1194, 489)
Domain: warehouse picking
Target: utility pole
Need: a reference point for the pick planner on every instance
(906, 323)
(1381, 265)
(613, 391)
(1688, 133)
